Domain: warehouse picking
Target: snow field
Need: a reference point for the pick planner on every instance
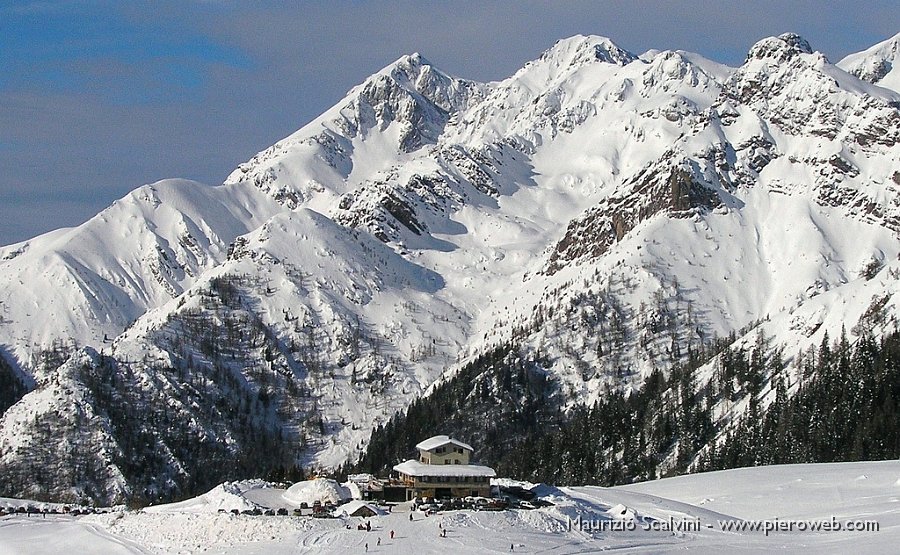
(865, 490)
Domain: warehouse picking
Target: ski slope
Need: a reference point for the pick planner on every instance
(791, 493)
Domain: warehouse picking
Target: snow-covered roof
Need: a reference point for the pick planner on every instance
(440, 441)
(351, 507)
(415, 468)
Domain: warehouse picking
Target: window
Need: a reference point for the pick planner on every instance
(456, 461)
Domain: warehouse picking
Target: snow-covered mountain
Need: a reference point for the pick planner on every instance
(877, 65)
(603, 210)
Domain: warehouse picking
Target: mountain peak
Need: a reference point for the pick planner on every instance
(796, 41)
(408, 68)
(780, 48)
(878, 64)
(581, 49)
(414, 60)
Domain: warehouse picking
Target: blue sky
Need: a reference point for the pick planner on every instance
(99, 97)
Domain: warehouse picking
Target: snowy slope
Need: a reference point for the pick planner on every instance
(62, 422)
(148, 247)
(93, 281)
(603, 210)
(877, 65)
(791, 494)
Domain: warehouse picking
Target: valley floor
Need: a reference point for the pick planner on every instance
(801, 496)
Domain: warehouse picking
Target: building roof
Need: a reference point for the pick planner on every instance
(440, 441)
(415, 468)
(353, 507)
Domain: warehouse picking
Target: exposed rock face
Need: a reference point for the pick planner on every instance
(671, 189)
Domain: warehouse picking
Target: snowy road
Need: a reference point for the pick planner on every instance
(55, 535)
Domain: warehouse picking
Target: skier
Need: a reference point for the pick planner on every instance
(410, 517)
(367, 548)
(378, 542)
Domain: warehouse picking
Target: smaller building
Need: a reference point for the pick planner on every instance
(358, 508)
(443, 470)
(444, 450)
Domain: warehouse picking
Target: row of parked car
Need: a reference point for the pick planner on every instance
(429, 505)
(64, 510)
(317, 510)
(259, 512)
